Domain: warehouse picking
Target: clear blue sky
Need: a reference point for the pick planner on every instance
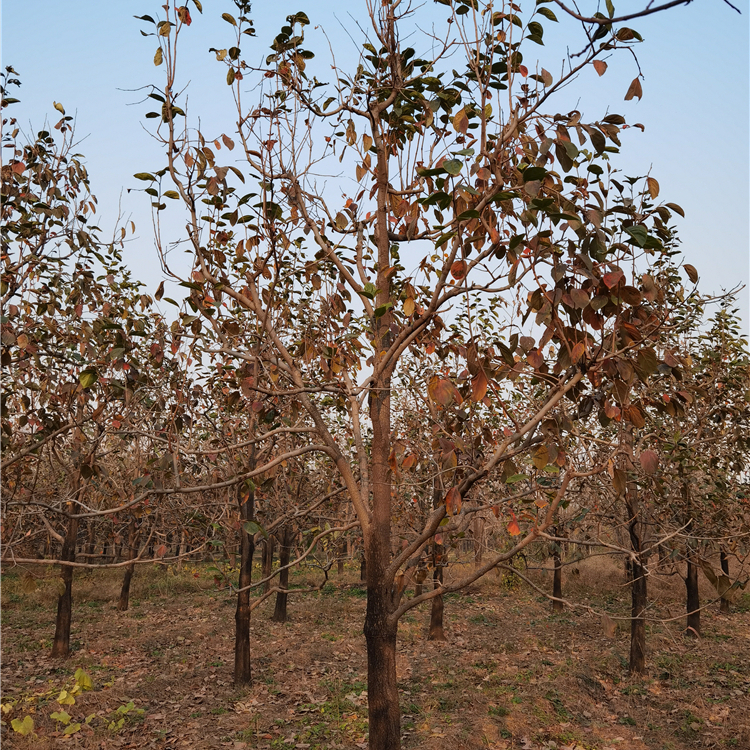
(87, 55)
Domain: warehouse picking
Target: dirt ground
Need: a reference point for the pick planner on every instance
(512, 674)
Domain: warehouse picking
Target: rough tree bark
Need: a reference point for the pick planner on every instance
(638, 585)
(724, 607)
(243, 674)
(61, 642)
(133, 535)
(693, 598)
(268, 548)
(285, 548)
(557, 606)
(477, 531)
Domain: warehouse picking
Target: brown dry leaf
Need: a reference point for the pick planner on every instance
(634, 89)
(653, 187)
(600, 67)
(692, 272)
(461, 121)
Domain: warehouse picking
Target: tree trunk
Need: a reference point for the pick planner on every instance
(382, 690)
(693, 599)
(91, 540)
(639, 595)
(363, 568)
(182, 549)
(478, 534)
(124, 602)
(285, 548)
(557, 606)
(437, 633)
(637, 577)
(725, 571)
(61, 642)
(243, 674)
(268, 562)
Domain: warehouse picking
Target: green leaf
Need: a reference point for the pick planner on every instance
(453, 166)
(547, 13)
(504, 195)
(251, 527)
(470, 214)
(62, 716)
(158, 57)
(72, 728)
(638, 233)
(369, 291)
(531, 174)
(144, 175)
(383, 309)
(88, 377)
(173, 194)
(443, 239)
(516, 478)
(230, 76)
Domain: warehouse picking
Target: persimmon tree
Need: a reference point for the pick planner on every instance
(335, 228)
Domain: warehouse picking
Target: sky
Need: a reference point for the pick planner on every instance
(91, 57)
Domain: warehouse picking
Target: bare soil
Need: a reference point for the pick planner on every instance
(512, 674)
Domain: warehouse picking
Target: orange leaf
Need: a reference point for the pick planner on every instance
(479, 386)
(442, 391)
(453, 501)
(578, 351)
(409, 461)
(513, 528)
(600, 67)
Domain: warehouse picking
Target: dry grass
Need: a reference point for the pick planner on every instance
(512, 674)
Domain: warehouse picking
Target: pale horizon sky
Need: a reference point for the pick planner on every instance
(91, 57)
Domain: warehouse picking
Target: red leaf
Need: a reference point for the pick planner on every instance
(453, 501)
(613, 279)
(184, 15)
(458, 269)
(161, 551)
(649, 461)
